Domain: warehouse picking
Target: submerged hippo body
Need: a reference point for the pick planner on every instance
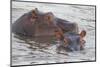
(36, 23)
(67, 26)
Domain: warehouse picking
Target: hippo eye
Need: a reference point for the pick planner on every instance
(49, 16)
(65, 41)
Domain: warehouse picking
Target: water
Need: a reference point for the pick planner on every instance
(26, 51)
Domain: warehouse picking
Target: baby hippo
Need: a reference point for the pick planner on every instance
(71, 41)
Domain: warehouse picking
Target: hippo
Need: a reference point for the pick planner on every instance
(71, 41)
(36, 24)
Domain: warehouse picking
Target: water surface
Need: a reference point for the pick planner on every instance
(26, 51)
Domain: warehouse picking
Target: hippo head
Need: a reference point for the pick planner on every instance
(44, 24)
(42, 18)
(71, 41)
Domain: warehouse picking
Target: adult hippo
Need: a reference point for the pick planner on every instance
(36, 23)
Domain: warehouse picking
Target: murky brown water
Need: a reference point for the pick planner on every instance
(26, 51)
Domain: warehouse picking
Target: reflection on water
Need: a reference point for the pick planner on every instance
(26, 51)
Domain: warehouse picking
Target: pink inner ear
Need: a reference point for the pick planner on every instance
(49, 16)
(83, 33)
(34, 15)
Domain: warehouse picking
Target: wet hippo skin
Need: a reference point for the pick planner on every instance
(71, 41)
(36, 23)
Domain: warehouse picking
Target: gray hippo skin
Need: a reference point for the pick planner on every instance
(36, 23)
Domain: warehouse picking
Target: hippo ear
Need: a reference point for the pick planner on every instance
(83, 33)
(49, 16)
(34, 13)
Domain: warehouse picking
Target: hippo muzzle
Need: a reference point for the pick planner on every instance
(73, 42)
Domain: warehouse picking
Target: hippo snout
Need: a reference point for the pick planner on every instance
(73, 48)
